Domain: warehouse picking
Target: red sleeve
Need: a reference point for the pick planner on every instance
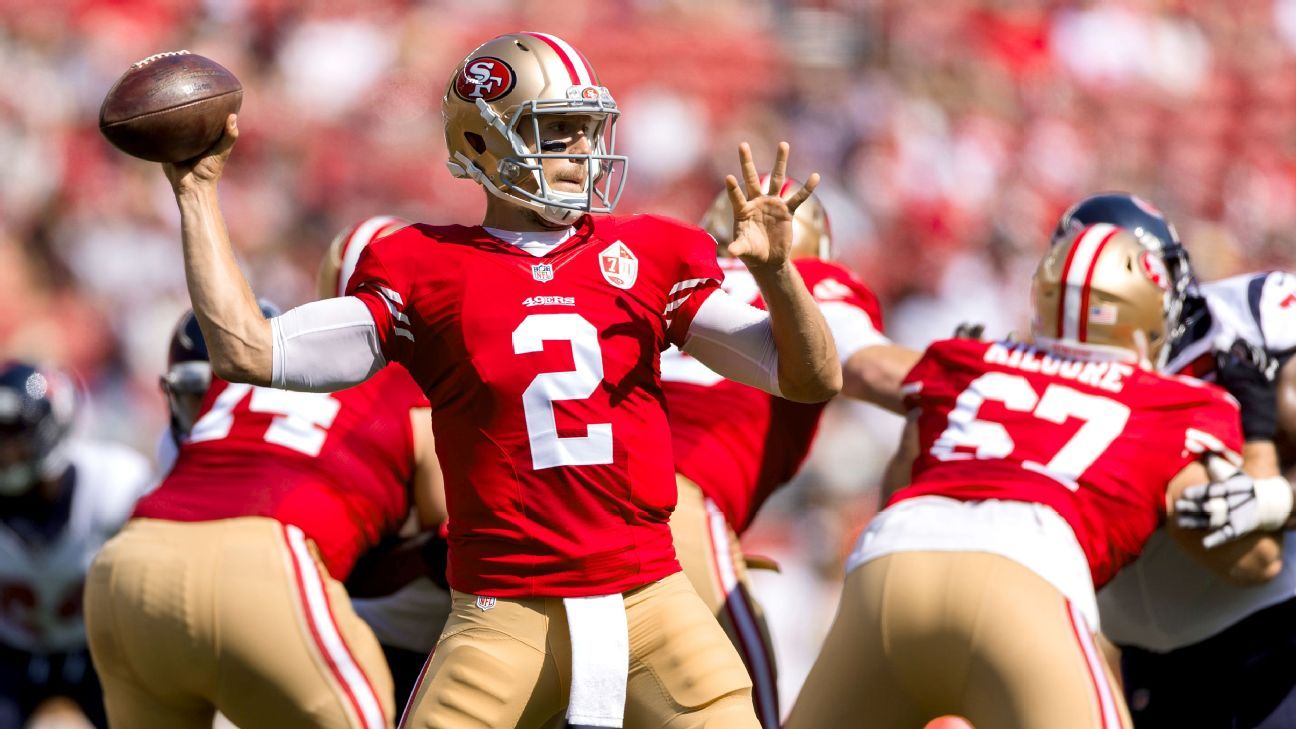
(1215, 426)
(831, 282)
(926, 369)
(387, 297)
(699, 276)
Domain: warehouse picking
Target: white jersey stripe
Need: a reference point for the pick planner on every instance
(347, 673)
(355, 244)
(1107, 710)
(764, 685)
(573, 57)
(685, 284)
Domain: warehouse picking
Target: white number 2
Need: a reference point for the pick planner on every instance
(302, 423)
(1103, 420)
(548, 449)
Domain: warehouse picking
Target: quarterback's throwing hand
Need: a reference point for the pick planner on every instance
(205, 169)
(763, 219)
(1234, 507)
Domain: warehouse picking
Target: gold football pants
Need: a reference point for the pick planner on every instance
(509, 665)
(923, 634)
(239, 615)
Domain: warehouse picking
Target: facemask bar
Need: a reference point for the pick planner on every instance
(606, 172)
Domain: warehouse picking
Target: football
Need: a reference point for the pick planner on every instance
(169, 107)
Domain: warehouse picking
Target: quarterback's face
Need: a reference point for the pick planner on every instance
(573, 134)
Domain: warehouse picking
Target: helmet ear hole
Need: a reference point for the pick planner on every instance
(476, 142)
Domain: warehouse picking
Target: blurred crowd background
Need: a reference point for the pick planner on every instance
(950, 134)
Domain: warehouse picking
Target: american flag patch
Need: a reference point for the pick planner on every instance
(1102, 314)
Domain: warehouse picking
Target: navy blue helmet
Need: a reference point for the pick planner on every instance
(1157, 234)
(37, 408)
(188, 373)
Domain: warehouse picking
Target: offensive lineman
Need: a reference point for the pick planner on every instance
(1197, 650)
(61, 498)
(726, 467)
(223, 591)
(1043, 468)
(536, 337)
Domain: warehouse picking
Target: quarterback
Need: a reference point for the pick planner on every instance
(536, 337)
(1043, 468)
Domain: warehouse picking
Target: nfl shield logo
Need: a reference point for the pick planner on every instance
(619, 266)
(542, 272)
(485, 603)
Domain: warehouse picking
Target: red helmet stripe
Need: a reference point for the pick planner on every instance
(557, 45)
(1075, 279)
(1088, 284)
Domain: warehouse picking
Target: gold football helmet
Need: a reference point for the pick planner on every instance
(340, 258)
(1100, 287)
(811, 234)
(517, 79)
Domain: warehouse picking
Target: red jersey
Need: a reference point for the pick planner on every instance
(1098, 442)
(336, 465)
(543, 373)
(738, 443)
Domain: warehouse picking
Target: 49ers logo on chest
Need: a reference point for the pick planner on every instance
(619, 266)
(486, 78)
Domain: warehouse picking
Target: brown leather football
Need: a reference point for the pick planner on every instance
(169, 107)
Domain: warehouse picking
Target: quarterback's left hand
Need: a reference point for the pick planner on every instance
(1234, 507)
(763, 221)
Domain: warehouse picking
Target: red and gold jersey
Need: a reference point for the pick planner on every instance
(737, 443)
(1097, 441)
(543, 373)
(337, 465)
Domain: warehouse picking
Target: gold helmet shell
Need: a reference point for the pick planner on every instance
(340, 258)
(1100, 287)
(811, 233)
(517, 79)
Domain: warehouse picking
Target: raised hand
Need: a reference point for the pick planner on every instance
(206, 168)
(763, 221)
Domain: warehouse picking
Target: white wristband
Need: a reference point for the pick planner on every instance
(1273, 502)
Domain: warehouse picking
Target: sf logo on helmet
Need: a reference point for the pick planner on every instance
(486, 78)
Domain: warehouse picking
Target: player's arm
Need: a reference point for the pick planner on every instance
(429, 484)
(1251, 559)
(238, 336)
(874, 373)
(320, 347)
(808, 367)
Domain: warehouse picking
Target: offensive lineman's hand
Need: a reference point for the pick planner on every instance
(763, 222)
(1234, 507)
(204, 170)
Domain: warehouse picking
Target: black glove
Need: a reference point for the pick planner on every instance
(969, 330)
(1250, 375)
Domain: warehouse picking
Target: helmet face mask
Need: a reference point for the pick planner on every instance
(509, 90)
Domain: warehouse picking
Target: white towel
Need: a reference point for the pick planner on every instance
(600, 642)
